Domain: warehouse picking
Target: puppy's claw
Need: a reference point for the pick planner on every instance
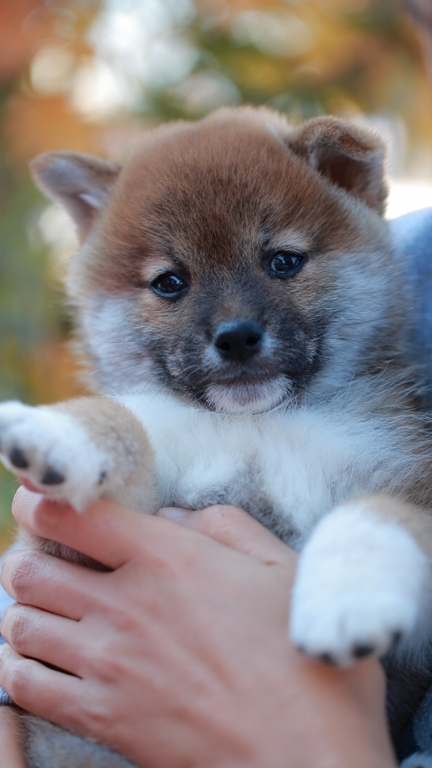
(18, 458)
(396, 639)
(360, 651)
(327, 658)
(52, 477)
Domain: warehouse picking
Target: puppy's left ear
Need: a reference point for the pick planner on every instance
(81, 183)
(347, 155)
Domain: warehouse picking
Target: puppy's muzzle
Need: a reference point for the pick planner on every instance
(238, 340)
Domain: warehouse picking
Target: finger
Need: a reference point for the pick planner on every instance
(235, 528)
(113, 534)
(106, 532)
(43, 581)
(43, 636)
(37, 688)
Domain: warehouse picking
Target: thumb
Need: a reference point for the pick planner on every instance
(235, 528)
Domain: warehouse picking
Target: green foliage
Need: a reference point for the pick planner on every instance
(30, 305)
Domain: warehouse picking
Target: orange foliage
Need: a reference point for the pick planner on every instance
(23, 23)
(50, 373)
(225, 10)
(35, 125)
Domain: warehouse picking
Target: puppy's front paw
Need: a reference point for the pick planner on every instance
(358, 587)
(51, 453)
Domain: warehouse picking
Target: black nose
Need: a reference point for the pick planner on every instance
(238, 340)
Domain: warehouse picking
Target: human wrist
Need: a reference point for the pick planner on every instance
(338, 719)
(332, 724)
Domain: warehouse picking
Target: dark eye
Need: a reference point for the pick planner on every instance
(168, 285)
(287, 263)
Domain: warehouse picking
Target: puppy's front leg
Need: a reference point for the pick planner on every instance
(359, 583)
(78, 451)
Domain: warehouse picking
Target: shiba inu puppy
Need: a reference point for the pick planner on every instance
(240, 303)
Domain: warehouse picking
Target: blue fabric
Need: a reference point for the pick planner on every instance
(413, 238)
(413, 235)
(5, 600)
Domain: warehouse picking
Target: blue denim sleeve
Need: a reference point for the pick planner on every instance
(413, 238)
(5, 600)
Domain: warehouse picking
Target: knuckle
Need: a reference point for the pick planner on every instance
(97, 716)
(15, 627)
(106, 671)
(218, 519)
(19, 680)
(23, 575)
(166, 566)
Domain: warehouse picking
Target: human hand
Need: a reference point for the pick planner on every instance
(186, 637)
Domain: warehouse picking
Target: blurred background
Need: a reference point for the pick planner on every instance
(89, 74)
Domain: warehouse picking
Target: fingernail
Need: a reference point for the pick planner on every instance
(25, 501)
(172, 512)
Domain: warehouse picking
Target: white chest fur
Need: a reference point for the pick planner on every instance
(287, 468)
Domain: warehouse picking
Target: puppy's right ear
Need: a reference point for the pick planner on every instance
(82, 183)
(346, 154)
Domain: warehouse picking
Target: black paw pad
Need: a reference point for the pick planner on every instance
(361, 650)
(102, 477)
(52, 477)
(18, 458)
(327, 658)
(396, 638)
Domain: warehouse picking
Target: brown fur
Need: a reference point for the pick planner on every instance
(213, 170)
(208, 198)
(103, 420)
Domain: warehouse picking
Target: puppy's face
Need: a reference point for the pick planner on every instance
(236, 261)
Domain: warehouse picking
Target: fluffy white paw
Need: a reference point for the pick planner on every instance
(358, 587)
(50, 452)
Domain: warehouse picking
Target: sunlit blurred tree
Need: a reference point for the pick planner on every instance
(88, 74)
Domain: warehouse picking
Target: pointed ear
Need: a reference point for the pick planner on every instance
(82, 183)
(349, 156)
